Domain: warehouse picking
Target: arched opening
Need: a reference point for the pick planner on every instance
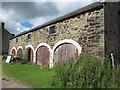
(65, 49)
(43, 54)
(19, 51)
(30, 53)
(13, 51)
(64, 52)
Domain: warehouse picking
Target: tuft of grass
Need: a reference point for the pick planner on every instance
(29, 74)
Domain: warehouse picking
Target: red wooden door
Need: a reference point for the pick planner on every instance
(19, 51)
(43, 56)
(30, 54)
(64, 52)
(13, 52)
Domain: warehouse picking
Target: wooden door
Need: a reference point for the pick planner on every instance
(64, 52)
(43, 56)
(19, 52)
(13, 52)
(30, 54)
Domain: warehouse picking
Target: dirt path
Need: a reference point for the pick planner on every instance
(9, 82)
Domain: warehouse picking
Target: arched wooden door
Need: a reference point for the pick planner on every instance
(64, 52)
(13, 52)
(30, 54)
(19, 51)
(43, 56)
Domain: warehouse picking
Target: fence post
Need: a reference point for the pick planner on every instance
(112, 57)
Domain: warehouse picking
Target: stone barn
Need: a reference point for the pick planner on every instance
(93, 30)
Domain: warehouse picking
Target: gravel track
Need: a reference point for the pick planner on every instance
(9, 82)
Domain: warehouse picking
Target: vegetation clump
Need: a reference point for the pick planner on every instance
(86, 72)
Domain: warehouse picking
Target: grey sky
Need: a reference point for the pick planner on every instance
(36, 13)
(29, 10)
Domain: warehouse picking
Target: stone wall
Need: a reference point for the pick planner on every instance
(5, 36)
(112, 28)
(119, 29)
(86, 28)
(0, 39)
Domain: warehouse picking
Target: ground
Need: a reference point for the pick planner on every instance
(9, 82)
(26, 75)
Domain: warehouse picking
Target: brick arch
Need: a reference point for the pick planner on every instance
(42, 54)
(13, 51)
(19, 49)
(70, 43)
(31, 52)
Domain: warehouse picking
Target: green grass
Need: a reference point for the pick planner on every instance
(30, 74)
(80, 72)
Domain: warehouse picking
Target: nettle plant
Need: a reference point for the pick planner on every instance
(86, 72)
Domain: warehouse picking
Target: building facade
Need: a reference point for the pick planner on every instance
(93, 30)
(5, 36)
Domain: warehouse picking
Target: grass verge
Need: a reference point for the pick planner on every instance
(30, 74)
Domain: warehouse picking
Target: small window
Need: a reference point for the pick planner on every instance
(52, 30)
(16, 39)
(29, 36)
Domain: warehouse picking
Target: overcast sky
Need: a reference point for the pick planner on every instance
(21, 16)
